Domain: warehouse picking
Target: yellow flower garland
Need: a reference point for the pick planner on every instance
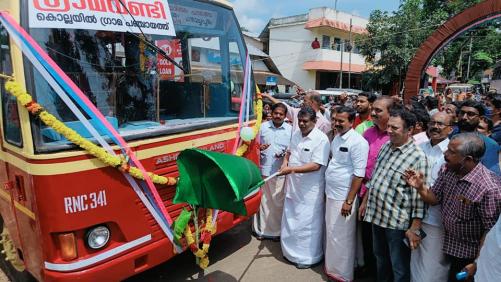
(208, 230)
(115, 161)
(120, 161)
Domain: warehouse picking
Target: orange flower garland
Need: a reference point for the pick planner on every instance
(119, 162)
(206, 236)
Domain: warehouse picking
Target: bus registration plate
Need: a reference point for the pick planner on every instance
(80, 203)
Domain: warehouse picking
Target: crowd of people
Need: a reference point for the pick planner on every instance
(401, 191)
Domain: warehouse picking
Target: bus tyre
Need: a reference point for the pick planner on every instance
(10, 262)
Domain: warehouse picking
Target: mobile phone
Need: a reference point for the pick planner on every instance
(421, 235)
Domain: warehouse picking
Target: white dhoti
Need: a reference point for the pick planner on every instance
(303, 221)
(428, 262)
(340, 241)
(267, 222)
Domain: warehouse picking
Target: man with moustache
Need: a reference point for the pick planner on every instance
(394, 209)
(469, 195)
(343, 178)
(302, 221)
(332, 133)
(376, 136)
(363, 121)
(469, 118)
(311, 99)
(275, 137)
(428, 262)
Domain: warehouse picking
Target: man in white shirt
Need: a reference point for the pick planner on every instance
(304, 165)
(275, 136)
(419, 133)
(313, 100)
(343, 179)
(428, 262)
(488, 263)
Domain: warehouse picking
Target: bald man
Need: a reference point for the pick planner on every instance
(428, 262)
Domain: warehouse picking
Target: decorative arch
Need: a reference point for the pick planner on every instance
(471, 17)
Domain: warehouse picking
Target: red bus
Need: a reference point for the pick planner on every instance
(56, 199)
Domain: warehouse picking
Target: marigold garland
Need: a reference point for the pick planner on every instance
(206, 236)
(121, 162)
(71, 135)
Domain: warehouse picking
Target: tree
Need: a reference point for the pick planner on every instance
(486, 51)
(393, 38)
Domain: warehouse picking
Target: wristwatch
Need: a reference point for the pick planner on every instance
(348, 202)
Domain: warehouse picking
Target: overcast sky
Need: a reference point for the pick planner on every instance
(254, 14)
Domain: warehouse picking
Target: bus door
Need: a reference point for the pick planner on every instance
(16, 206)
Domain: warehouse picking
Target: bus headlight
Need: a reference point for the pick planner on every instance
(98, 237)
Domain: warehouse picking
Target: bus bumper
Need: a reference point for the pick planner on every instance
(146, 257)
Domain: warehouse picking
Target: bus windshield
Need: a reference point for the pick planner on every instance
(141, 93)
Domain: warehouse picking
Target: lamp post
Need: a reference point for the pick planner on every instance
(349, 57)
(341, 68)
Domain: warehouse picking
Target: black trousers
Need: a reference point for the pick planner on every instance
(457, 265)
(370, 260)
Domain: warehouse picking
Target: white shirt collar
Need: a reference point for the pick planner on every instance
(347, 134)
(310, 135)
(272, 125)
(442, 145)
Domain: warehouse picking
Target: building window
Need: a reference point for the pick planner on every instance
(347, 45)
(10, 114)
(337, 44)
(326, 42)
(355, 49)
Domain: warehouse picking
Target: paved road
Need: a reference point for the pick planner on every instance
(235, 256)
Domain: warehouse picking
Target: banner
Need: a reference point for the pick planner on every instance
(166, 69)
(150, 16)
(188, 16)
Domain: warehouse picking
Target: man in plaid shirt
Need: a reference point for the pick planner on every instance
(470, 195)
(391, 205)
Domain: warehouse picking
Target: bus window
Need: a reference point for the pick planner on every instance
(10, 114)
(142, 93)
(236, 76)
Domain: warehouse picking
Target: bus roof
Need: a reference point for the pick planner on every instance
(225, 3)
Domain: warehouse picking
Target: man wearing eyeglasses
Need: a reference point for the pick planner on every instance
(469, 118)
(428, 262)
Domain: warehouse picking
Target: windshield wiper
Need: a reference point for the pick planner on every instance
(147, 42)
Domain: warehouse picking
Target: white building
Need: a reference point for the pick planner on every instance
(289, 44)
(263, 66)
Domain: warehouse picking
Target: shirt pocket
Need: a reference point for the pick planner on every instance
(464, 209)
(305, 155)
(342, 157)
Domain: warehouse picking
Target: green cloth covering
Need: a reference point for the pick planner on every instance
(215, 180)
(366, 124)
(180, 224)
